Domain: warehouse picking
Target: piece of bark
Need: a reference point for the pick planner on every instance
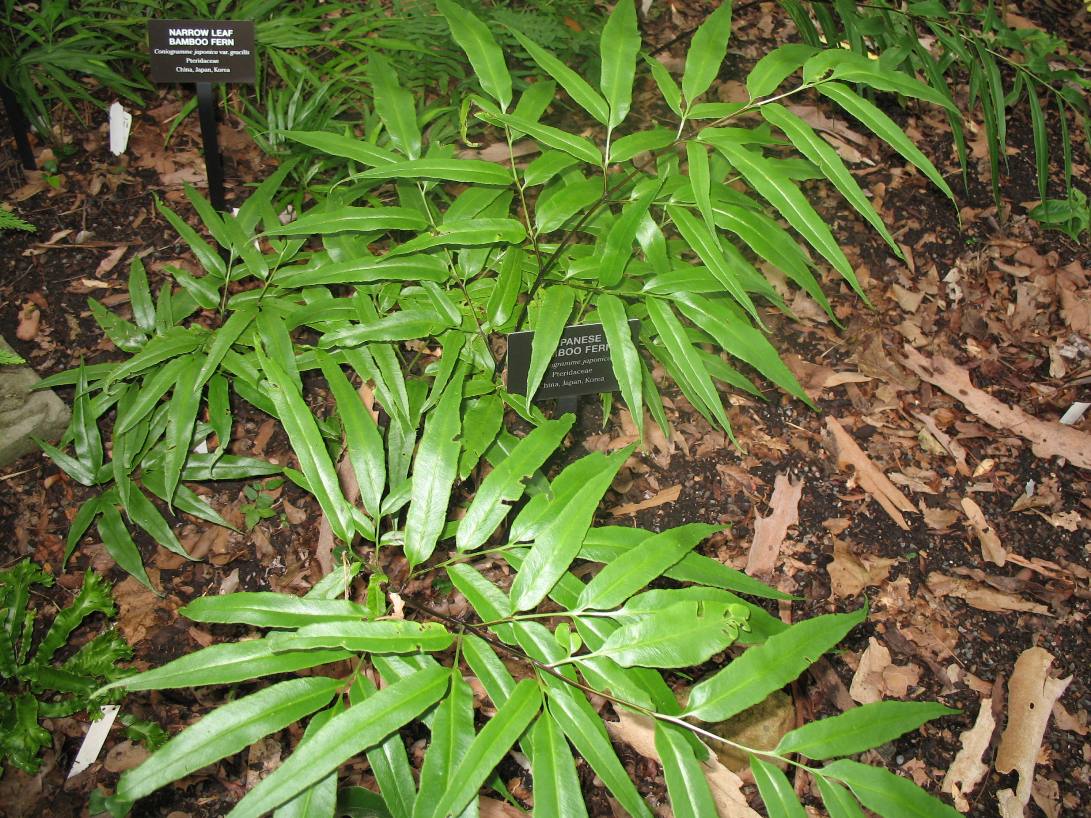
(1031, 694)
(868, 475)
(991, 549)
(968, 770)
(769, 532)
(981, 596)
(1047, 438)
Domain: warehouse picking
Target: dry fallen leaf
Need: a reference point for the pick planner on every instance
(769, 532)
(980, 596)
(967, 770)
(111, 260)
(667, 495)
(991, 549)
(868, 475)
(1047, 438)
(1031, 694)
(877, 677)
(849, 574)
(30, 319)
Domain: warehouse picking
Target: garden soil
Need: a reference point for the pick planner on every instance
(969, 544)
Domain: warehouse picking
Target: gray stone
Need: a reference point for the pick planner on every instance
(25, 414)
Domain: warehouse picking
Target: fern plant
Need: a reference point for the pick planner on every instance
(611, 637)
(35, 685)
(974, 45)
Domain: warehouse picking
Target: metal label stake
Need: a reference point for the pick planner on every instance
(214, 169)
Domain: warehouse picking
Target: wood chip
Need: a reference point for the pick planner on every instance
(667, 495)
(769, 532)
(968, 770)
(868, 475)
(1047, 438)
(1031, 694)
(991, 549)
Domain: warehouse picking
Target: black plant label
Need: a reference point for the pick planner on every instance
(202, 50)
(581, 364)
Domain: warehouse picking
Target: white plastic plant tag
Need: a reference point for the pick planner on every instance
(93, 741)
(1074, 413)
(121, 122)
(202, 447)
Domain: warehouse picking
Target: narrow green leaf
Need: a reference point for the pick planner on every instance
(885, 793)
(344, 146)
(265, 609)
(505, 484)
(706, 53)
(559, 541)
(360, 219)
(140, 296)
(345, 735)
(309, 448)
(556, 786)
(576, 86)
(653, 641)
(434, 469)
(700, 181)
(576, 146)
(618, 47)
(628, 146)
(776, 790)
(624, 356)
(119, 544)
(182, 414)
(487, 667)
(226, 730)
(468, 233)
(672, 94)
(619, 241)
(394, 105)
(760, 624)
(776, 66)
(452, 734)
(842, 64)
(859, 729)
(886, 129)
(769, 666)
(381, 636)
(365, 270)
(143, 512)
(320, 799)
(708, 249)
(474, 38)
(687, 786)
(584, 728)
(556, 307)
(838, 801)
(768, 180)
(559, 203)
(86, 514)
(489, 748)
(226, 664)
(816, 149)
(388, 760)
(86, 439)
(1041, 140)
(632, 571)
(362, 435)
(469, 171)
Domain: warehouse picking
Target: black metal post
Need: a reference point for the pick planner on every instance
(206, 109)
(569, 403)
(19, 127)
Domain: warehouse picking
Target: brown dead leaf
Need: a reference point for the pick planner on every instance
(1031, 694)
(111, 260)
(769, 532)
(124, 756)
(968, 770)
(667, 495)
(979, 595)
(135, 604)
(939, 519)
(877, 676)
(30, 319)
(1047, 438)
(991, 549)
(868, 475)
(953, 447)
(491, 808)
(849, 574)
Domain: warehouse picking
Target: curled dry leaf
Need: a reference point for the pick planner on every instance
(981, 596)
(877, 676)
(991, 549)
(769, 532)
(967, 770)
(111, 260)
(868, 475)
(1047, 438)
(849, 574)
(1031, 695)
(29, 321)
